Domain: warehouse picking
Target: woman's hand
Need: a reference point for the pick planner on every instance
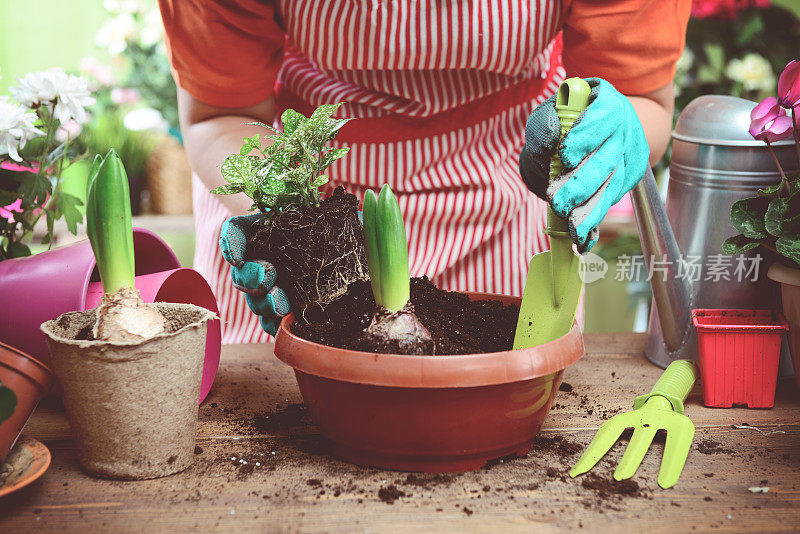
(604, 156)
(212, 133)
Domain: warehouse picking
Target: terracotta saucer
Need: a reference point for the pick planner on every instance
(28, 460)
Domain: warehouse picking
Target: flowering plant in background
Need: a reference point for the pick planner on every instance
(37, 131)
(133, 36)
(772, 218)
(736, 47)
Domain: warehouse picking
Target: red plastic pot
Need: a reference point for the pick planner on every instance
(30, 381)
(428, 413)
(739, 354)
(39, 288)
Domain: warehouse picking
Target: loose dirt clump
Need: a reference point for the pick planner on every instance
(457, 324)
(709, 446)
(610, 489)
(391, 493)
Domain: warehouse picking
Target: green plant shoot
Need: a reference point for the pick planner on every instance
(387, 250)
(8, 402)
(108, 222)
(288, 172)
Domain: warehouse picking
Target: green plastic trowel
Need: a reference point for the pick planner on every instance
(661, 409)
(553, 287)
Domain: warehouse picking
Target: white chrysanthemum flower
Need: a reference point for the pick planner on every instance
(68, 92)
(753, 72)
(153, 29)
(16, 128)
(115, 33)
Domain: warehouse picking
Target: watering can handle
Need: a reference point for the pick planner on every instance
(571, 99)
(674, 385)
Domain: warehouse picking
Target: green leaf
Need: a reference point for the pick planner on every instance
(291, 121)
(753, 27)
(329, 157)
(715, 54)
(67, 207)
(782, 217)
(229, 189)
(237, 169)
(8, 402)
(249, 144)
(334, 125)
(747, 216)
(770, 191)
(789, 246)
(320, 181)
(19, 250)
(738, 244)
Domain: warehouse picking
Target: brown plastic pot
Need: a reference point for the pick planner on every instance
(428, 413)
(30, 381)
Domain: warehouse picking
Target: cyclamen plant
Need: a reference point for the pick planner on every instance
(287, 174)
(46, 109)
(772, 218)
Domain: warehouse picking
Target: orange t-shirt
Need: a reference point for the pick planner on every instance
(228, 52)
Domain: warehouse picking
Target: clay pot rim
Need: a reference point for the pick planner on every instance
(206, 315)
(784, 274)
(26, 365)
(441, 371)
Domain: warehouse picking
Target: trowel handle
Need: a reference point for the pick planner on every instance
(675, 384)
(571, 99)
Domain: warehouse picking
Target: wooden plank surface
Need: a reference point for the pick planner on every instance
(289, 484)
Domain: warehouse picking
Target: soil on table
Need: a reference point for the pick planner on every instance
(457, 324)
(317, 252)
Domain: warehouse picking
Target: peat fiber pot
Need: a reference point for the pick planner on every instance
(428, 413)
(30, 381)
(789, 279)
(132, 407)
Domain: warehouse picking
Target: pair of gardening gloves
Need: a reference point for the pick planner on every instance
(604, 156)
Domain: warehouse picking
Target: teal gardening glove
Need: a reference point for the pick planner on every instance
(255, 278)
(604, 156)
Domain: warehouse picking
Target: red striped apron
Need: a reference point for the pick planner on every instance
(442, 91)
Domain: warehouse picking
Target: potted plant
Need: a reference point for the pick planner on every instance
(771, 220)
(23, 383)
(130, 372)
(315, 245)
(402, 375)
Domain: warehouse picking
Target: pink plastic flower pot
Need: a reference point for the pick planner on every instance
(739, 354)
(38, 288)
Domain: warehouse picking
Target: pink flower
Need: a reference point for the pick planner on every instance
(768, 121)
(789, 85)
(7, 212)
(99, 71)
(125, 95)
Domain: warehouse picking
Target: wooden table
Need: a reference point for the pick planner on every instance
(254, 414)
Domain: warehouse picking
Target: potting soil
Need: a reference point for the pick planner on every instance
(316, 252)
(457, 324)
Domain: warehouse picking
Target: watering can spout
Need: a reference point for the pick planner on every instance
(671, 287)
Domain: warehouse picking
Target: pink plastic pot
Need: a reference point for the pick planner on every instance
(428, 413)
(38, 288)
(739, 354)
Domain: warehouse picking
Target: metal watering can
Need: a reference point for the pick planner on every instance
(714, 162)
